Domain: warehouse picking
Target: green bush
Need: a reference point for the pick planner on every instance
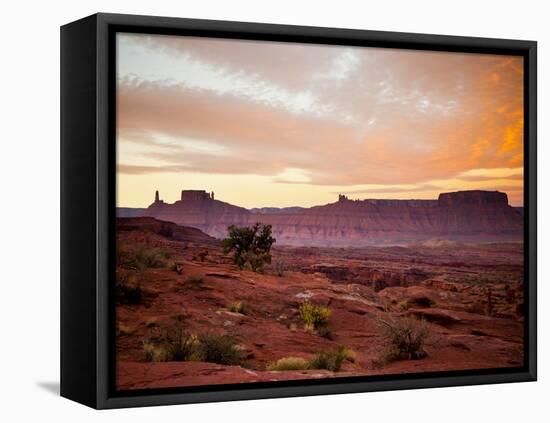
(255, 262)
(406, 337)
(251, 246)
(289, 363)
(314, 316)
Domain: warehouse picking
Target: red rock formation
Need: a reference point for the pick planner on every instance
(168, 230)
(202, 212)
(463, 216)
(478, 213)
(473, 198)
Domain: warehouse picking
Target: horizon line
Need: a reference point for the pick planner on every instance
(345, 196)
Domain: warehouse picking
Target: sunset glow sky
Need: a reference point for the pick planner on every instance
(277, 124)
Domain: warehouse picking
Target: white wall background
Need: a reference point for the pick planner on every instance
(29, 175)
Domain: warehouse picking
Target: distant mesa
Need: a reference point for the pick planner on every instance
(473, 198)
(465, 216)
(199, 209)
(196, 195)
(188, 195)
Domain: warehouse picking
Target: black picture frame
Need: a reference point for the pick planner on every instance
(88, 208)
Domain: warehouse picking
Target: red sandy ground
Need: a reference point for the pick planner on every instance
(470, 328)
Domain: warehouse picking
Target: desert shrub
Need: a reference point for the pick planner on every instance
(277, 268)
(324, 332)
(238, 307)
(314, 316)
(289, 363)
(129, 293)
(351, 356)
(195, 282)
(181, 346)
(323, 360)
(402, 305)
(128, 289)
(330, 360)
(153, 257)
(122, 329)
(251, 246)
(406, 337)
(142, 257)
(154, 352)
(173, 344)
(220, 349)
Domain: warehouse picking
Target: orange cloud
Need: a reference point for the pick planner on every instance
(344, 117)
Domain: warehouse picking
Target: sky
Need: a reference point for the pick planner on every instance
(287, 124)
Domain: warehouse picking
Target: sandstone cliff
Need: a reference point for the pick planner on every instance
(208, 215)
(463, 216)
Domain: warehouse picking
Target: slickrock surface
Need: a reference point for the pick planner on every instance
(470, 295)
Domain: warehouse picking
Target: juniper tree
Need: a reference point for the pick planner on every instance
(251, 246)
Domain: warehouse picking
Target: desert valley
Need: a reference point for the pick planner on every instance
(351, 288)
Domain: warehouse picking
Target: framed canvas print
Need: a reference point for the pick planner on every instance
(255, 211)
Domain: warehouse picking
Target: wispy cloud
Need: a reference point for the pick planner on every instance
(323, 116)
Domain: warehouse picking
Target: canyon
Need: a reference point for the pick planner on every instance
(469, 296)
